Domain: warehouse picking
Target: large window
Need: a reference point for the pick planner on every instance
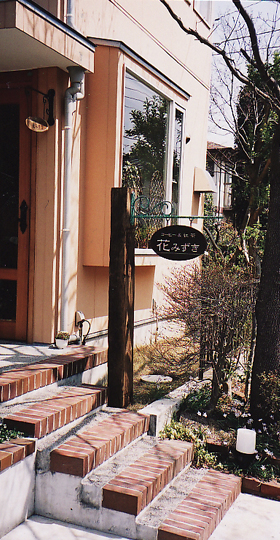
(145, 139)
(152, 149)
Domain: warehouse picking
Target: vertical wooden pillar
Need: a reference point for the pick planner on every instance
(121, 301)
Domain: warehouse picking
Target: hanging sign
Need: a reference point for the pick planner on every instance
(178, 242)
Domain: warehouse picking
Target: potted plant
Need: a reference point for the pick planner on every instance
(61, 339)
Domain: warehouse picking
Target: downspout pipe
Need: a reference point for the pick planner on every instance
(73, 93)
(70, 13)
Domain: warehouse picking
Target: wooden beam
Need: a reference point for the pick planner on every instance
(121, 301)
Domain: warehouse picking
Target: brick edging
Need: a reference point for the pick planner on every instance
(254, 486)
(48, 415)
(15, 450)
(139, 483)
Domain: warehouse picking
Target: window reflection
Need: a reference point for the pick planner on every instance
(145, 147)
(145, 135)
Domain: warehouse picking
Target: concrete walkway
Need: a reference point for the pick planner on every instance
(14, 355)
(40, 528)
(249, 518)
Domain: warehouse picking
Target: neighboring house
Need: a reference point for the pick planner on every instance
(125, 59)
(219, 164)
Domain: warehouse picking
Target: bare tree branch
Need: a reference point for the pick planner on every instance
(274, 97)
(190, 31)
(270, 81)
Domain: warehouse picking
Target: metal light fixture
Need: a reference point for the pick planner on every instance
(38, 124)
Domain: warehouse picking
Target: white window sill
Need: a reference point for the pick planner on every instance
(145, 251)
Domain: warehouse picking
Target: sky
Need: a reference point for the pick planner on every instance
(265, 9)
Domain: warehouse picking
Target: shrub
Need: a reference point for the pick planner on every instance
(214, 306)
(62, 335)
(196, 435)
(197, 400)
(7, 434)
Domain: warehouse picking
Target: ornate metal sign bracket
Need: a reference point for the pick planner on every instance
(145, 208)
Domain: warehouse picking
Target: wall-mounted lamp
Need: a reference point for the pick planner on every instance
(79, 321)
(35, 123)
(188, 138)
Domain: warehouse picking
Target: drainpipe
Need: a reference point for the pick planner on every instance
(70, 13)
(73, 93)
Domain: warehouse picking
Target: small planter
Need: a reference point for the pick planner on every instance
(61, 340)
(61, 343)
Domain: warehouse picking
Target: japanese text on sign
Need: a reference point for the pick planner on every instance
(178, 242)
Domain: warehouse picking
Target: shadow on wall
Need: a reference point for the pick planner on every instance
(93, 290)
(144, 285)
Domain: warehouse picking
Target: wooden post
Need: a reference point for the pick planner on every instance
(121, 301)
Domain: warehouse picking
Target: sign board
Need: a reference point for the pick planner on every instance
(178, 242)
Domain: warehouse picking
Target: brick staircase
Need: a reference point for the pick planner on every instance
(17, 382)
(137, 485)
(197, 516)
(94, 445)
(97, 466)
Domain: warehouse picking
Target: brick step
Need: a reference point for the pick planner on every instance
(14, 451)
(200, 513)
(94, 445)
(17, 382)
(48, 415)
(137, 485)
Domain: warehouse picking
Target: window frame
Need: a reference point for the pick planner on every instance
(183, 138)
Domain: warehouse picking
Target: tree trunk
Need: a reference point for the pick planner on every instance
(267, 352)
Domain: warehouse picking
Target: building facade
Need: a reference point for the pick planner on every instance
(125, 94)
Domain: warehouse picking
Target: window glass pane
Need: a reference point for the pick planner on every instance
(145, 148)
(204, 8)
(9, 184)
(177, 158)
(145, 135)
(8, 299)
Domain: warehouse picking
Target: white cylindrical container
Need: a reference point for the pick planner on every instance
(61, 343)
(246, 441)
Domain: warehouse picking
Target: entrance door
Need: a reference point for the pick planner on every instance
(14, 214)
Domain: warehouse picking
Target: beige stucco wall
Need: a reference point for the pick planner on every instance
(97, 149)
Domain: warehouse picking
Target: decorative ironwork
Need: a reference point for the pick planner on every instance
(145, 208)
